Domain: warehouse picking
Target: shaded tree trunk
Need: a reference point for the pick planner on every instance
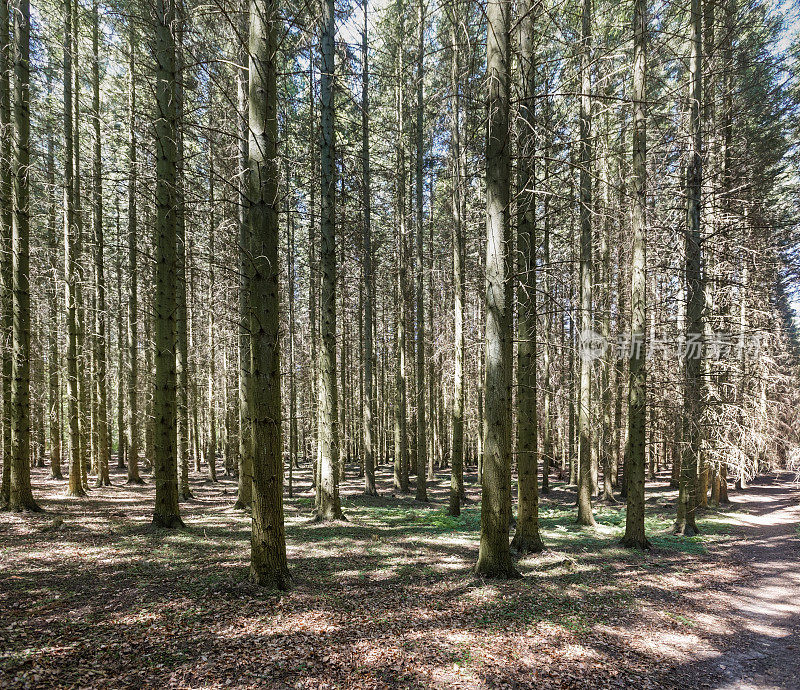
(585, 516)
(637, 392)
(76, 484)
(133, 288)
(166, 513)
(494, 556)
(245, 494)
(526, 538)
(368, 405)
(693, 356)
(6, 222)
(457, 416)
(267, 544)
(101, 366)
(328, 504)
(419, 360)
(20, 494)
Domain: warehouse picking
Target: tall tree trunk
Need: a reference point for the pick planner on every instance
(83, 352)
(422, 444)
(368, 406)
(53, 388)
(494, 556)
(267, 544)
(101, 387)
(20, 495)
(290, 263)
(547, 393)
(693, 356)
(401, 455)
(6, 222)
(585, 516)
(329, 506)
(165, 468)
(133, 288)
(244, 497)
(526, 538)
(313, 276)
(457, 494)
(604, 444)
(211, 405)
(457, 415)
(121, 446)
(181, 317)
(76, 484)
(637, 391)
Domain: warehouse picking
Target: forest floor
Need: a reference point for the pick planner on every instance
(90, 596)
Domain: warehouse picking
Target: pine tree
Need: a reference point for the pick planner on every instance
(165, 468)
(637, 390)
(494, 556)
(267, 543)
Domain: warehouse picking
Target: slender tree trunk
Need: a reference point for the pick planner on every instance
(20, 495)
(6, 222)
(313, 276)
(585, 516)
(494, 556)
(526, 538)
(211, 405)
(121, 445)
(53, 389)
(165, 468)
(693, 356)
(245, 494)
(101, 387)
(368, 405)
(181, 317)
(83, 352)
(637, 392)
(133, 289)
(76, 484)
(422, 444)
(292, 386)
(457, 418)
(329, 506)
(267, 545)
(401, 454)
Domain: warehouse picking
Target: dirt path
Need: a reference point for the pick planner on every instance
(760, 616)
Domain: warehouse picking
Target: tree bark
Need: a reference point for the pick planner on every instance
(53, 387)
(422, 444)
(76, 485)
(585, 516)
(133, 289)
(685, 523)
(182, 317)
(329, 506)
(368, 405)
(20, 495)
(637, 391)
(401, 454)
(165, 468)
(6, 222)
(244, 497)
(526, 538)
(494, 556)
(268, 565)
(101, 387)
(457, 415)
